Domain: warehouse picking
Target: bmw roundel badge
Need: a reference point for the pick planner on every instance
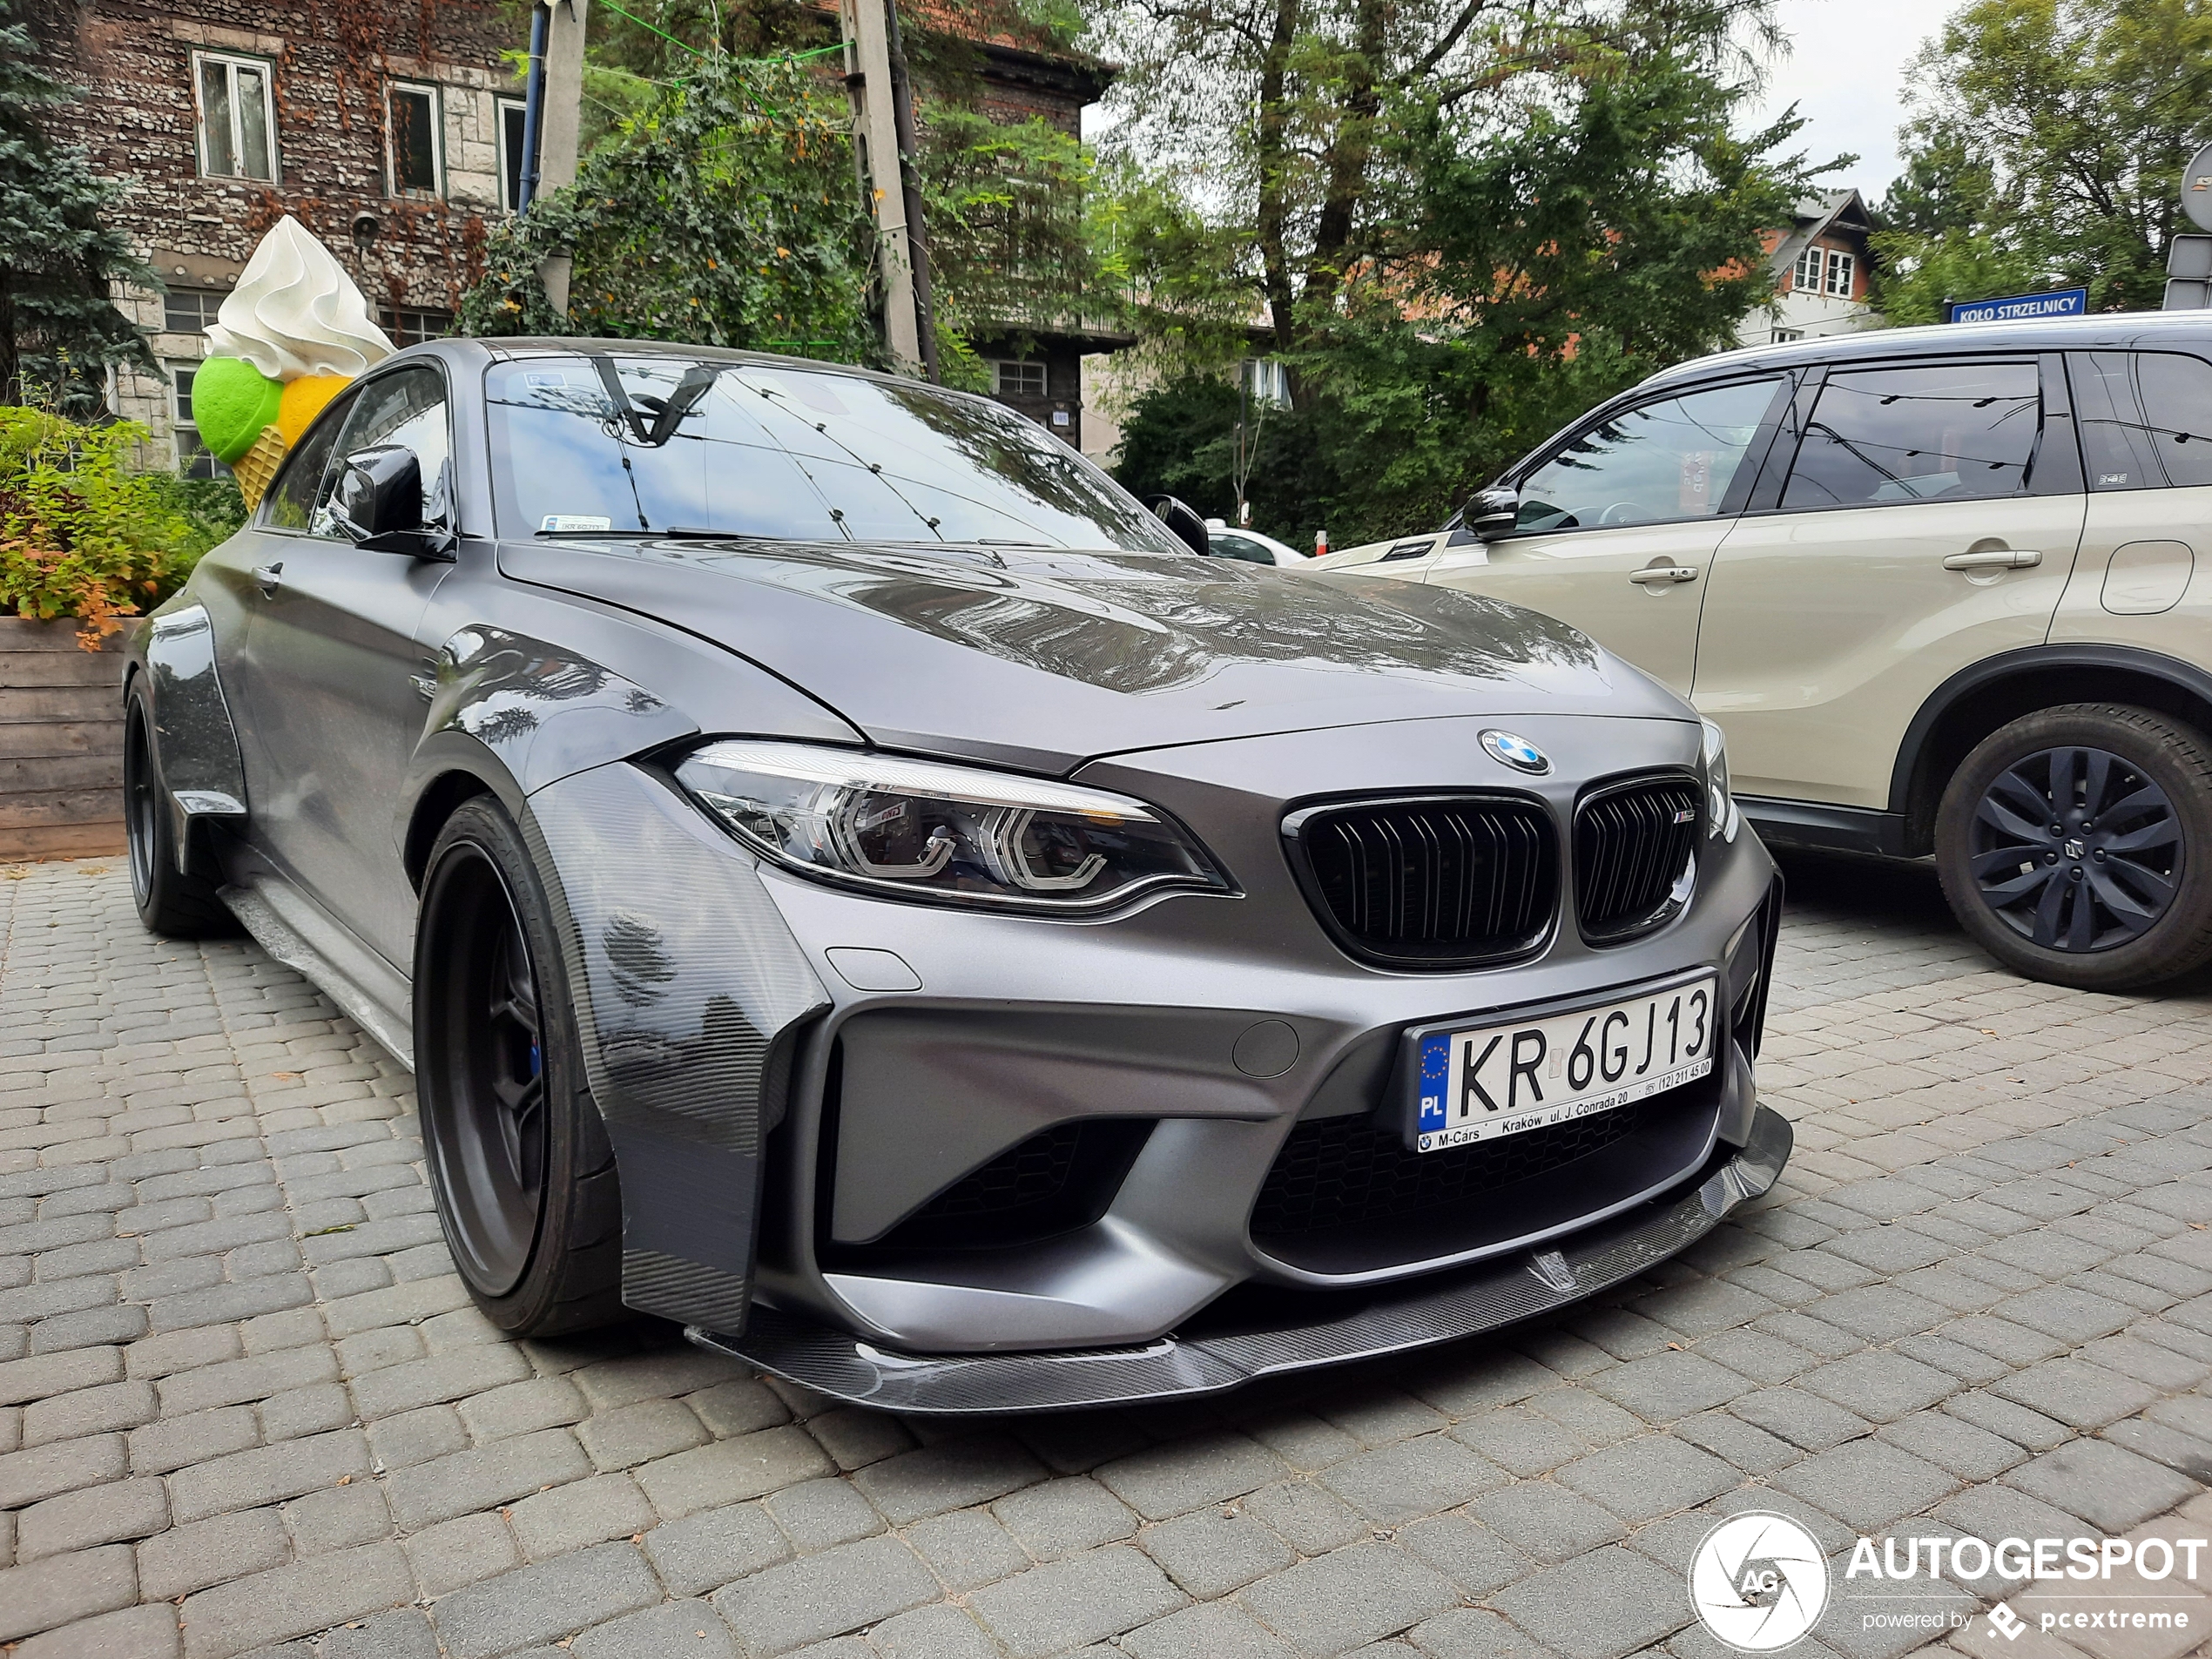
(1516, 752)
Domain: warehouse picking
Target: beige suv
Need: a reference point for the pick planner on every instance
(1938, 587)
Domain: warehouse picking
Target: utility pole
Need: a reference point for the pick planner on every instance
(901, 262)
(559, 125)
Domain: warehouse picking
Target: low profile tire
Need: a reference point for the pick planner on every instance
(181, 904)
(2075, 846)
(519, 1159)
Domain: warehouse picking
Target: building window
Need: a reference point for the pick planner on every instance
(1806, 278)
(417, 143)
(1266, 381)
(1784, 336)
(1840, 273)
(188, 311)
(237, 117)
(1023, 378)
(408, 327)
(510, 153)
(194, 459)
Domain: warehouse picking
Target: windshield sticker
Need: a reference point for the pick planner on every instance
(545, 377)
(568, 523)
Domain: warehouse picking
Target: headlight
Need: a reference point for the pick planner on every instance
(1720, 817)
(916, 829)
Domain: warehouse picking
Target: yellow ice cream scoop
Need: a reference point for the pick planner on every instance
(303, 399)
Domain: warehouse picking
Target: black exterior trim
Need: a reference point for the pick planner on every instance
(1839, 829)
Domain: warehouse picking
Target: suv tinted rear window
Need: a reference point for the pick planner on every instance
(2146, 418)
(1933, 432)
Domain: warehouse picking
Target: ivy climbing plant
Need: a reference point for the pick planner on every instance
(722, 212)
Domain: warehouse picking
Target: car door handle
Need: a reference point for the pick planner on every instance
(1652, 573)
(269, 578)
(1999, 558)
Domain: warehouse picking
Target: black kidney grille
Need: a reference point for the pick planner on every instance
(1434, 883)
(1336, 1172)
(1630, 846)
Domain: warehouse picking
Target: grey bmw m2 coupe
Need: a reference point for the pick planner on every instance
(851, 880)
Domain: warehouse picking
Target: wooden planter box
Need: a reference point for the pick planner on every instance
(61, 742)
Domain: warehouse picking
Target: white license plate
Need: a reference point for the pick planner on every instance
(1493, 1081)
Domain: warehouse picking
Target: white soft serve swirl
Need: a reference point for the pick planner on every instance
(296, 312)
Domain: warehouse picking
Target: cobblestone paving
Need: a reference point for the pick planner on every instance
(245, 1406)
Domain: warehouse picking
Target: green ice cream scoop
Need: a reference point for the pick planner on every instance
(232, 401)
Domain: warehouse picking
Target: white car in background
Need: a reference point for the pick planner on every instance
(1250, 545)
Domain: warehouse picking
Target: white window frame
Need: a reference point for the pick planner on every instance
(1267, 381)
(231, 64)
(1842, 271)
(1785, 336)
(179, 423)
(435, 93)
(499, 106)
(1811, 261)
(1022, 367)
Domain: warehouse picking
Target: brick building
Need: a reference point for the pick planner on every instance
(393, 130)
(1821, 263)
(390, 128)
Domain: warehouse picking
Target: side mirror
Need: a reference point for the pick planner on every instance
(378, 503)
(1189, 527)
(1492, 513)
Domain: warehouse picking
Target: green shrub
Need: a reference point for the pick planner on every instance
(85, 536)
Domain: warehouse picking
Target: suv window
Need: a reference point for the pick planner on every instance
(2146, 418)
(408, 408)
(1670, 459)
(1934, 431)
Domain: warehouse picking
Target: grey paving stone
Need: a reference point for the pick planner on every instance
(542, 1602)
(595, 1511)
(1952, 1443)
(286, 1602)
(1598, 1606)
(128, 1633)
(1412, 1479)
(967, 1549)
(1668, 1386)
(113, 1514)
(1221, 1630)
(463, 1551)
(672, 1631)
(1520, 1442)
(1211, 1553)
(88, 1411)
(1800, 1418)
(1185, 1474)
(61, 1466)
(1880, 1386)
(787, 1607)
(1312, 1519)
(2014, 1421)
(1061, 1517)
(405, 1633)
(62, 1589)
(269, 1473)
(2110, 1487)
(1735, 1441)
(521, 1408)
(730, 1471)
(629, 1435)
(1354, 1596)
(463, 1481)
(1473, 1632)
(192, 1557)
(704, 1552)
(2072, 1392)
(817, 1513)
(1867, 1484)
(1546, 1521)
(1644, 1479)
(1475, 1377)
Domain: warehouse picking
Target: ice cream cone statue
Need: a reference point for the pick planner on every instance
(290, 337)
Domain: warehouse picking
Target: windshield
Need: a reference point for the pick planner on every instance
(612, 444)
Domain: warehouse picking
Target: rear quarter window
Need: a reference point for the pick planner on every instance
(2146, 418)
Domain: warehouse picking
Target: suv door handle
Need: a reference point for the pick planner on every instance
(2000, 558)
(269, 578)
(1652, 573)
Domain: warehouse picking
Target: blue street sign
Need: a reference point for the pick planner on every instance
(2023, 307)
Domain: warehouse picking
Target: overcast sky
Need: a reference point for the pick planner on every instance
(1844, 71)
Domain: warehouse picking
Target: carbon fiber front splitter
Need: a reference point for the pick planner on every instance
(846, 1368)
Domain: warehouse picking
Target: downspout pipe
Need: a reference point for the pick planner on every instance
(533, 108)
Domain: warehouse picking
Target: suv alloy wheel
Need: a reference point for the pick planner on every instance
(2075, 845)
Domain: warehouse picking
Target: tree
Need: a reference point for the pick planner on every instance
(59, 327)
(1458, 224)
(2047, 145)
(725, 213)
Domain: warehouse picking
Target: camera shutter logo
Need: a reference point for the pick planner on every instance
(1758, 1582)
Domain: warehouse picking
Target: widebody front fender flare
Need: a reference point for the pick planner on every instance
(689, 994)
(196, 750)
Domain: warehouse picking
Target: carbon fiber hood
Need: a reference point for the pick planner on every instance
(1047, 658)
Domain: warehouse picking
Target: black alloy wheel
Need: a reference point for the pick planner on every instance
(519, 1160)
(2074, 842)
(2076, 850)
(182, 904)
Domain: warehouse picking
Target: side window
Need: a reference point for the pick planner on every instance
(2145, 419)
(1240, 547)
(408, 408)
(290, 504)
(1942, 432)
(1672, 459)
